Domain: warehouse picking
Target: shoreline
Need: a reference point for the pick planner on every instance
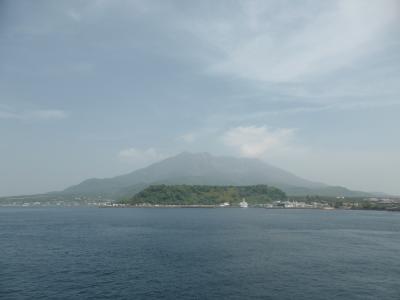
(258, 207)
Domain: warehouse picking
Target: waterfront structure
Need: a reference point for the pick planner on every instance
(243, 204)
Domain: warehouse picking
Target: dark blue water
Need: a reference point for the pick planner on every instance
(198, 254)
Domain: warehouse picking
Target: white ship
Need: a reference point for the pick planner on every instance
(243, 204)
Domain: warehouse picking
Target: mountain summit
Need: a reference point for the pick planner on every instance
(205, 169)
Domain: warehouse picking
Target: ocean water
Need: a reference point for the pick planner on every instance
(82, 253)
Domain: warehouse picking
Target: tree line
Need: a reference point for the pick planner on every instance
(206, 195)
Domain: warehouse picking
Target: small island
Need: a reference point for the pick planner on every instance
(265, 196)
(205, 195)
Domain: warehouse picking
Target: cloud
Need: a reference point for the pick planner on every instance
(74, 15)
(324, 51)
(140, 157)
(305, 109)
(47, 114)
(188, 137)
(292, 46)
(41, 114)
(253, 141)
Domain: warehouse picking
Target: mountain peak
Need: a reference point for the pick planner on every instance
(193, 154)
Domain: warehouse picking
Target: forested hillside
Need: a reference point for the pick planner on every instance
(206, 195)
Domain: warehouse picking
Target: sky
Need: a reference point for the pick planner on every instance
(97, 88)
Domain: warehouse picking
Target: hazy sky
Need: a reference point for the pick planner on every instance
(99, 88)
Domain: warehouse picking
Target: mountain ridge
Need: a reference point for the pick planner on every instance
(206, 169)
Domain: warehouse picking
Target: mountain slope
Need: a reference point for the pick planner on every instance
(206, 195)
(205, 169)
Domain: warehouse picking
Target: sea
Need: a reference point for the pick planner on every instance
(198, 253)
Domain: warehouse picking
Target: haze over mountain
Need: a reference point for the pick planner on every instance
(206, 169)
(309, 86)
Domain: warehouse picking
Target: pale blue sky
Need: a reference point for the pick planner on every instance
(96, 88)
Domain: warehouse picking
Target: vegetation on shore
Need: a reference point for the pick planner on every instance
(206, 195)
(352, 202)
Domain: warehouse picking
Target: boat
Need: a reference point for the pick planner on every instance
(243, 204)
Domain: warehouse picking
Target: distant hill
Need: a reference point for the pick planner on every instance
(206, 195)
(206, 169)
